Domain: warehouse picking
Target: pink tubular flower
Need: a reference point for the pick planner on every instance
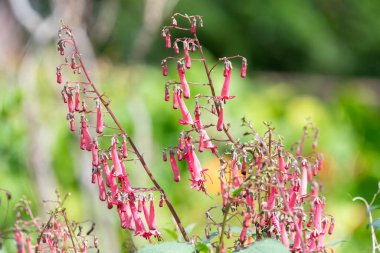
(201, 140)
(99, 118)
(164, 67)
(224, 192)
(29, 245)
(176, 48)
(207, 142)
(102, 188)
(19, 241)
(197, 114)
(174, 166)
(182, 78)
(77, 98)
(186, 55)
(106, 170)
(59, 75)
(193, 25)
(94, 151)
(219, 125)
(73, 63)
(227, 80)
(140, 229)
(117, 171)
(164, 156)
(195, 169)
(284, 235)
(167, 39)
(304, 181)
(167, 92)
(243, 72)
(175, 97)
(318, 210)
(124, 147)
(186, 116)
(174, 22)
(86, 143)
(125, 184)
(71, 119)
(235, 175)
(152, 220)
(122, 216)
(70, 103)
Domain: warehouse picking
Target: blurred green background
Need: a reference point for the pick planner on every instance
(307, 59)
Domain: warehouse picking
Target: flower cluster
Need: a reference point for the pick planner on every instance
(270, 189)
(197, 135)
(109, 162)
(57, 234)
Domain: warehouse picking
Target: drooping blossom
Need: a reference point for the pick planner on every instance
(227, 80)
(117, 172)
(182, 78)
(102, 188)
(124, 147)
(94, 151)
(167, 92)
(71, 119)
(174, 166)
(164, 67)
(106, 170)
(99, 117)
(186, 116)
(304, 179)
(167, 39)
(176, 48)
(186, 54)
(175, 97)
(193, 25)
(86, 143)
(19, 241)
(243, 72)
(59, 75)
(70, 103)
(220, 123)
(77, 98)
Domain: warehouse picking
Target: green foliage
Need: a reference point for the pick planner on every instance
(167, 247)
(265, 246)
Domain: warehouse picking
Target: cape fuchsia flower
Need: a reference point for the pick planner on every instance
(86, 142)
(186, 55)
(117, 172)
(99, 118)
(94, 151)
(70, 103)
(152, 220)
(167, 39)
(167, 92)
(227, 81)
(243, 72)
(19, 241)
(193, 25)
(73, 63)
(174, 22)
(124, 147)
(176, 48)
(106, 170)
(59, 75)
(174, 166)
(182, 78)
(102, 188)
(29, 245)
(304, 180)
(186, 116)
(164, 68)
(175, 97)
(219, 124)
(71, 119)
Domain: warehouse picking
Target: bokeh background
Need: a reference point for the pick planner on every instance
(307, 59)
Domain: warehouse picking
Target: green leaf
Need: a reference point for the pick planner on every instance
(266, 246)
(189, 228)
(202, 247)
(172, 233)
(237, 192)
(167, 247)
